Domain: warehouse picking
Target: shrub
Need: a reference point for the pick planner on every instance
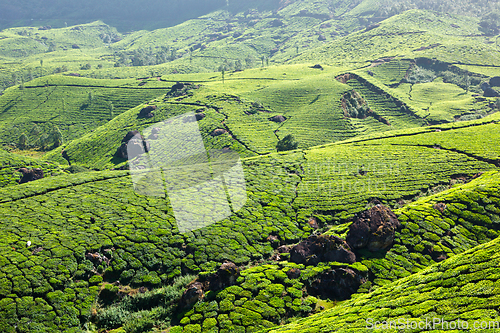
(287, 143)
(23, 141)
(112, 317)
(77, 169)
(420, 75)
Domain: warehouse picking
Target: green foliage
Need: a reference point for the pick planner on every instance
(429, 235)
(263, 297)
(43, 104)
(139, 312)
(23, 141)
(287, 143)
(57, 136)
(355, 106)
(88, 230)
(463, 286)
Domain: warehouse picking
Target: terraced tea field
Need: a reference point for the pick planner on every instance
(100, 213)
(76, 105)
(393, 112)
(462, 286)
(308, 99)
(382, 114)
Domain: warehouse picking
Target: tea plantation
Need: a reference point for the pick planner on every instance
(463, 287)
(66, 218)
(336, 110)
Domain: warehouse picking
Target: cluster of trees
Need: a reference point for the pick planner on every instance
(146, 57)
(15, 78)
(163, 54)
(355, 105)
(287, 143)
(36, 138)
(456, 76)
(237, 65)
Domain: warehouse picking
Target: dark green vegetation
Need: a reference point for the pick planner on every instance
(461, 287)
(128, 15)
(264, 296)
(333, 108)
(82, 219)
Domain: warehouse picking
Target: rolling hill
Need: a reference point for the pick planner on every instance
(99, 212)
(383, 205)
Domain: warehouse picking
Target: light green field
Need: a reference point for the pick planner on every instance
(390, 113)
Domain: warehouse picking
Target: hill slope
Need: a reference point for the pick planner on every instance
(463, 288)
(75, 105)
(100, 214)
(388, 113)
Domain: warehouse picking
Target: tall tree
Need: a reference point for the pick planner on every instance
(57, 137)
(23, 141)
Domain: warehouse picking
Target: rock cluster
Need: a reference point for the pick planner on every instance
(132, 144)
(225, 276)
(147, 112)
(373, 229)
(30, 175)
(338, 284)
(218, 131)
(323, 248)
(278, 119)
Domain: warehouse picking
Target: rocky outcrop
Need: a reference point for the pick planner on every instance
(29, 175)
(133, 144)
(181, 89)
(485, 85)
(323, 248)
(490, 92)
(373, 229)
(177, 86)
(440, 206)
(338, 284)
(293, 273)
(147, 112)
(276, 23)
(278, 119)
(495, 81)
(218, 132)
(317, 66)
(225, 276)
(192, 294)
(154, 133)
(199, 116)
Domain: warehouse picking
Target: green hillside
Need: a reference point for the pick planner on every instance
(413, 34)
(75, 105)
(436, 286)
(366, 187)
(100, 213)
(10, 163)
(463, 287)
(310, 100)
